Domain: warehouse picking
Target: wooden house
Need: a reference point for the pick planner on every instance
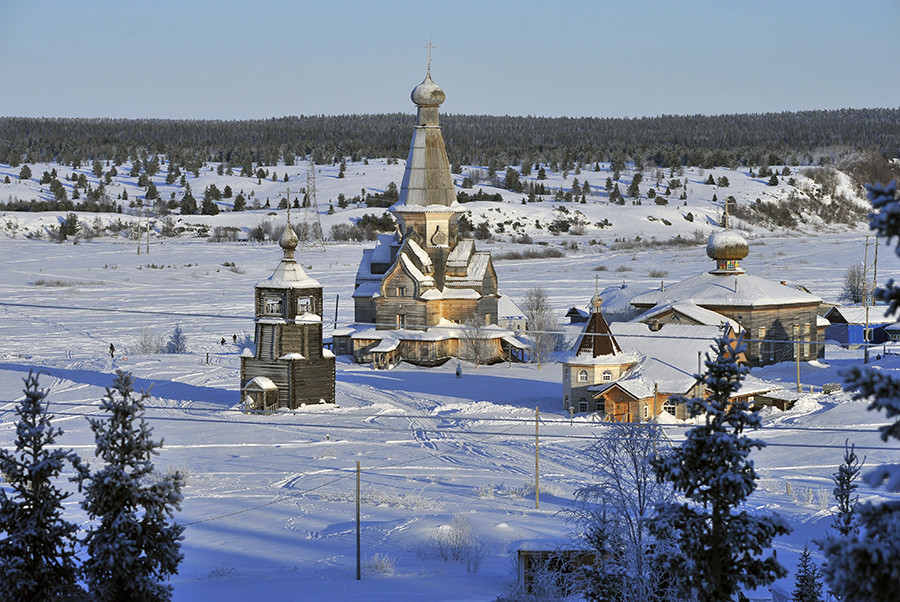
(290, 366)
(780, 322)
(847, 325)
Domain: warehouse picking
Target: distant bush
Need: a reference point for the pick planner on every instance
(149, 342)
(534, 253)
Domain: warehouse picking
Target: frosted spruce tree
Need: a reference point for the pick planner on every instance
(808, 581)
(133, 545)
(37, 549)
(865, 564)
(718, 545)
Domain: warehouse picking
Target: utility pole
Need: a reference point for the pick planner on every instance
(358, 555)
(537, 472)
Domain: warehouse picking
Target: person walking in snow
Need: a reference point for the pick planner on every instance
(112, 351)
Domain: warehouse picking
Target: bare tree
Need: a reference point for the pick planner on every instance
(613, 509)
(475, 342)
(540, 324)
(854, 283)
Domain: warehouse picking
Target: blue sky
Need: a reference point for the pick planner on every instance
(226, 59)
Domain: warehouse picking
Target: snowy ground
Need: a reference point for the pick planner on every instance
(269, 505)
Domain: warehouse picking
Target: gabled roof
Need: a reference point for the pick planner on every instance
(507, 309)
(690, 310)
(857, 315)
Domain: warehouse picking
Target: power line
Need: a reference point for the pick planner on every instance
(523, 421)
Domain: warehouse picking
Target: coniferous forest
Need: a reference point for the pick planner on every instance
(796, 138)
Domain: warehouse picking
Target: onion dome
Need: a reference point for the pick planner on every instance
(288, 241)
(596, 302)
(428, 93)
(727, 248)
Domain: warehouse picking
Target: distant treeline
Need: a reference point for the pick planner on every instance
(797, 138)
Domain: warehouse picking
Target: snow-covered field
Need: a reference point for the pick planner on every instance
(269, 507)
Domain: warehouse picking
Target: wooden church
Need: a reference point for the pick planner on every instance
(421, 287)
(290, 367)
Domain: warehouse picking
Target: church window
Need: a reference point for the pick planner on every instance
(273, 305)
(606, 376)
(582, 376)
(401, 291)
(304, 305)
(582, 406)
(646, 410)
(401, 320)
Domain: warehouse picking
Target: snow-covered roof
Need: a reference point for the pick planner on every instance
(507, 308)
(586, 359)
(692, 311)
(414, 272)
(382, 251)
(460, 293)
(475, 271)
(371, 288)
(289, 274)
(386, 344)
(857, 315)
(260, 383)
(293, 355)
(459, 256)
(731, 290)
(308, 317)
(419, 252)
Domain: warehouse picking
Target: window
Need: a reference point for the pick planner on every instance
(606, 376)
(646, 409)
(806, 341)
(401, 291)
(401, 320)
(582, 376)
(669, 407)
(582, 406)
(273, 305)
(304, 305)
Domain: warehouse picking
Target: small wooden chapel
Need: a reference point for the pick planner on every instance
(290, 367)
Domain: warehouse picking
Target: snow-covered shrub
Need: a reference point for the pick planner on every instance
(149, 342)
(458, 542)
(379, 564)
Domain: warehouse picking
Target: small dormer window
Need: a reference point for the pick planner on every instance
(606, 376)
(401, 291)
(304, 305)
(582, 376)
(273, 305)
